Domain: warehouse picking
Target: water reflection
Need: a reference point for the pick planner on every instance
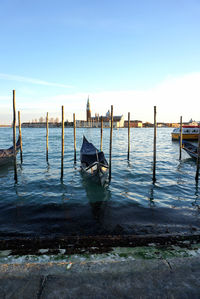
(189, 161)
(196, 203)
(98, 197)
(151, 196)
(196, 190)
(4, 170)
(48, 167)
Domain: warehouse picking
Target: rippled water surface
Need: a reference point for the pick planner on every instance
(40, 204)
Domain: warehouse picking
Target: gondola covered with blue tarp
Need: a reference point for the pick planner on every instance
(7, 155)
(191, 149)
(93, 161)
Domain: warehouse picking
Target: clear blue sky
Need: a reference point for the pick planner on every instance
(130, 52)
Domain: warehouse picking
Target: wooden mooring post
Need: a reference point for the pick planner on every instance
(180, 138)
(101, 146)
(128, 136)
(111, 133)
(47, 137)
(154, 146)
(20, 136)
(14, 137)
(198, 159)
(62, 154)
(74, 117)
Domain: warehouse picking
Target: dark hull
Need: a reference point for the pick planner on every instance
(190, 149)
(7, 155)
(93, 163)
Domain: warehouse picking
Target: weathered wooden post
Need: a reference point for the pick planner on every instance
(180, 138)
(20, 136)
(198, 158)
(14, 137)
(128, 135)
(47, 137)
(74, 137)
(111, 133)
(101, 133)
(154, 146)
(62, 156)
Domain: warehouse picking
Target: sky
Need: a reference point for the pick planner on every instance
(131, 54)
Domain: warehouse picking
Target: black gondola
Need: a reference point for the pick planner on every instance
(93, 162)
(191, 149)
(7, 155)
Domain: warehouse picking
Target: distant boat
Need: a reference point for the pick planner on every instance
(93, 162)
(188, 133)
(191, 149)
(7, 155)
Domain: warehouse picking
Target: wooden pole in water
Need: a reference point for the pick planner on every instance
(128, 135)
(14, 137)
(47, 137)
(181, 137)
(101, 133)
(20, 136)
(154, 146)
(198, 159)
(111, 133)
(62, 156)
(74, 138)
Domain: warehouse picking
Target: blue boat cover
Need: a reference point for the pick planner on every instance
(7, 153)
(90, 154)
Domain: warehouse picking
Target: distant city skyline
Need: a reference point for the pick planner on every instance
(129, 54)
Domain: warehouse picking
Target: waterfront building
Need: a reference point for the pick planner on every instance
(147, 125)
(161, 125)
(193, 122)
(133, 124)
(118, 121)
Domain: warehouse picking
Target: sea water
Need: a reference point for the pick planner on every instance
(41, 205)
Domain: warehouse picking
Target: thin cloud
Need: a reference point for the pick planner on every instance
(175, 96)
(31, 80)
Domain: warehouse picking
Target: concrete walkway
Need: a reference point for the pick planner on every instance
(128, 278)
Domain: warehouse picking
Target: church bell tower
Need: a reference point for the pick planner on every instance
(88, 111)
